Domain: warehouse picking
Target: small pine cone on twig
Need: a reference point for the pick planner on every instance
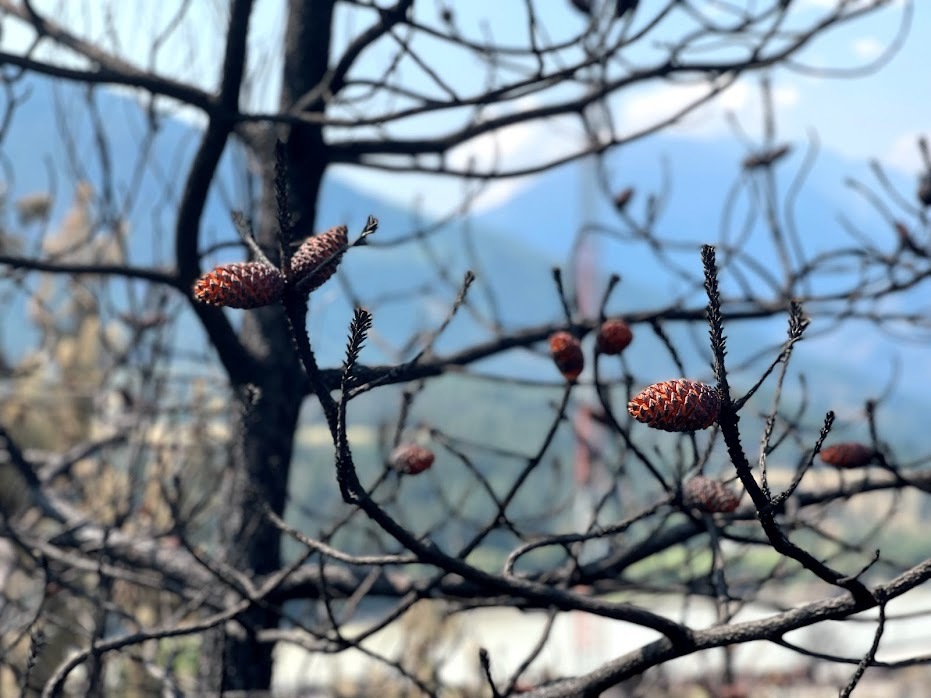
(566, 351)
(316, 259)
(710, 496)
(411, 459)
(848, 455)
(676, 405)
(614, 336)
(240, 285)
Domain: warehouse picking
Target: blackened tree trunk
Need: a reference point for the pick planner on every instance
(271, 392)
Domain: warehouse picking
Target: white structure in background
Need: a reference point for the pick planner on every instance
(509, 635)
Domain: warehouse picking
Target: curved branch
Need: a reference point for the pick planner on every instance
(771, 628)
(111, 69)
(166, 278)
(235, 359)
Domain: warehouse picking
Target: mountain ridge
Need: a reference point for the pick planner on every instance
(514, 244)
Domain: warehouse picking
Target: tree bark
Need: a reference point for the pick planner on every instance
(269, 400)
(265, 422)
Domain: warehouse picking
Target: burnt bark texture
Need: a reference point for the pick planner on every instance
(271, 394)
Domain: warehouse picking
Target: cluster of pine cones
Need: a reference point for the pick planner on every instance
(614, 336)
(255, 284)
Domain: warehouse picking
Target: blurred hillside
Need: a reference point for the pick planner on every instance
(411, 285)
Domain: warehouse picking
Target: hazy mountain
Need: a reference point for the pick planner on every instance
(707, 201)
(511, 248)
(695, 180)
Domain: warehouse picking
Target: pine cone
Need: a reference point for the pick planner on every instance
(411, 459)
(709, 495)
(318, 256)
(614, 336)
(847, 455)
(676, 405)
(240, 285)
(567, 354)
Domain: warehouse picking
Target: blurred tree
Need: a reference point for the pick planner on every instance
(381, 86)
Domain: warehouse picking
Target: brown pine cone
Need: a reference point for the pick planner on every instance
(710, 496)
(567, 354)
(614, 336)
(677, 405)
(316, 259)
(848, 455)
(411, 459)
(240, 285)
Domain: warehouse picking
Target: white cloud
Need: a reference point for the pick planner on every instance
(498, 193)
(868, 48)
(528, 144)
(786, 96)
(490, 150)
(515, 147)
(741, 99)
(904, 153)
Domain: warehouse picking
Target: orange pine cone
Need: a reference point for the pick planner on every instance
(240, 285)
(614, 336)
(848, 455)
(567, 354)
(676, 405)
(316, 259)
(411, 459)
(709, 495)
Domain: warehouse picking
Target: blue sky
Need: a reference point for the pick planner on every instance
(878, 115)
(875, 116)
